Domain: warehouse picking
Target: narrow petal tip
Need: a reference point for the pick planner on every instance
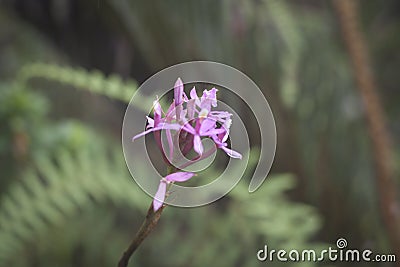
(232, 153)
(178, 91)
(156, 205)
(160, 196)
(197, 145)
(179, 176)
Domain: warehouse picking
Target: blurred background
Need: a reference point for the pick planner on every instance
(68, 69)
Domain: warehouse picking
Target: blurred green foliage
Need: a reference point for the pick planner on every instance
(80, 179)
(66, 197)
(75, 201)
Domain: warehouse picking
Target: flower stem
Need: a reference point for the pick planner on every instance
(147, 227)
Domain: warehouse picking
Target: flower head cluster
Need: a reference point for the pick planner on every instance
(186, 122)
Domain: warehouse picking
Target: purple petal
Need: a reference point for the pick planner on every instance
(157, 107)
(197, 145)
(214, 132)
(170, 112)
(162, 126)
(183, 114)
(142, 134)
(178, 110)
(179, 176)
(188, 128)
(178, 92)
(206, 126)
(217, 141)
(160, 196)
(204, 96)
(193, 93)
(197, 125)
(225, 137)
(212, 94)
(205, 104)
(170, 144)
(185, 98)
(232, 153)
(170, 126)
(210, 97)
(191, 108)
(221, 114)
(227, 124)
(157, 112)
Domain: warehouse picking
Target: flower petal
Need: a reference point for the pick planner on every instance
(225, 137)
(142, 134)
(170, 126)
(217, 141)
(178, 92)
(205, 104)
(157, 112)
(191, 108)
(160, 196)
(170, 144)
(206, 126)
(157, 107)
(189, 128)
(226, 126)
(178, 111)
(214, 132)
(161, 126)
(193, 93)
(212, 94)
(231, 153)
(179, 176)
(209, 97)
(170, 112)
(182, 116)
(197, 145)
(220, 116)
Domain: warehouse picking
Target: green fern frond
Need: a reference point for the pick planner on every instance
(94, 81)
(60, 188)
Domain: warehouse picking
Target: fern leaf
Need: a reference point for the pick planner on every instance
(58, 189)
(93, 81)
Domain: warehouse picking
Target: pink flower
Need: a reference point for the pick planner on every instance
(197, 119)
(186, 122)
(162, 188)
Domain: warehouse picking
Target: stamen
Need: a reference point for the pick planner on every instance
(203, 113)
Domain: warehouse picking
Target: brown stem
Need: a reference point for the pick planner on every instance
(147, 227)
(380, 139)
